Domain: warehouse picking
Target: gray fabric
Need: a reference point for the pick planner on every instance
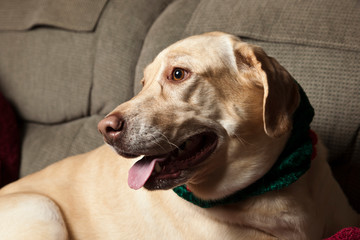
(323, 23)
(78, 15)
(47, 74)
(317, 41)
(44, 144)
(62, 79)
(120, 35)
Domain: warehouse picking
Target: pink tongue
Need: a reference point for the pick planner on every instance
(140, 172)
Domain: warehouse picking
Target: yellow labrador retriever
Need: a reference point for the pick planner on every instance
(221, 130)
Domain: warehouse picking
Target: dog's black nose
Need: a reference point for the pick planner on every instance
(111, 127)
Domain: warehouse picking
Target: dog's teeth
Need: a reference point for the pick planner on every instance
(157, 167)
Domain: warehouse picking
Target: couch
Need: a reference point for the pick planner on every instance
(64, 64)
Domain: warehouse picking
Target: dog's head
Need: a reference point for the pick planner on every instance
(214, 113)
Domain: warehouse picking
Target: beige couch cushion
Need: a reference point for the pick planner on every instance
(317, 41)
(77, 15)
(46, 59)
(65, 64)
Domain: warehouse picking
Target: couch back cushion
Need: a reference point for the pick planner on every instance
(65, 64)
(317, 41)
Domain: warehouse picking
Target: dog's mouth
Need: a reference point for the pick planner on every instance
(167, 170)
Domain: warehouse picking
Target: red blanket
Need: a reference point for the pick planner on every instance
(350, 233)
(9, 143)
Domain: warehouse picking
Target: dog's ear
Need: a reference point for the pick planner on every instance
(281, 95)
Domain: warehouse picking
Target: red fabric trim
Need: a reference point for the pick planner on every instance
(350, 233)
(9, 143)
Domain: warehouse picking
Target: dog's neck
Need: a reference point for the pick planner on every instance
(292, 163)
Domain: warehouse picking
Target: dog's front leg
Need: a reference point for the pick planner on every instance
(30, 216)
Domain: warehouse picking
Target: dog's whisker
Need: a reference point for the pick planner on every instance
(242, 140)
(156, 142)
(168, 141)
(157, 132)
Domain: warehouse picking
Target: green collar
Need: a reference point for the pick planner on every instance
(292, 163)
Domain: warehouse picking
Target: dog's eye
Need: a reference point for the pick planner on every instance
(178, 74)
